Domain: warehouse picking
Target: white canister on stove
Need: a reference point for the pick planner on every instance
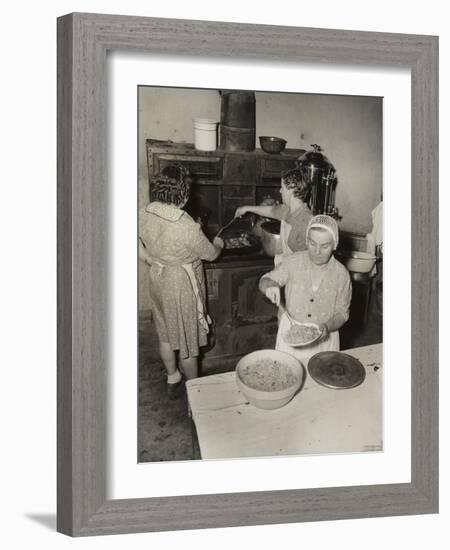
(205, 134)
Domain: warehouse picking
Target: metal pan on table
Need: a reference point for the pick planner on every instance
(336, 370)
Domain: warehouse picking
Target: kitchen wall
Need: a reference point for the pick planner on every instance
(349, 128)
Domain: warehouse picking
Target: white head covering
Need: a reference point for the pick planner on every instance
(325, 222)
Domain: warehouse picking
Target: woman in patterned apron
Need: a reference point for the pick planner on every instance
(294, 213)
(317, 289)
(173, 245)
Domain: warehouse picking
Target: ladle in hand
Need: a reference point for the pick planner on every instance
(284, 310)
(226, 226)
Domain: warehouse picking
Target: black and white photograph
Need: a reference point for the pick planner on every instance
(260, 235)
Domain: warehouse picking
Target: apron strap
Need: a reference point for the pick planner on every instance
(285, 230)
(203, 318)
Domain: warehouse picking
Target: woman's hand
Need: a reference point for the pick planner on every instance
(273, 293)
(218, 242)
(240, 211)
(323, 327)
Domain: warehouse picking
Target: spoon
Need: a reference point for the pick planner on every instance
(284, 310)
(226, 226)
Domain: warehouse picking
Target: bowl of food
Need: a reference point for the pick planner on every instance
(301, 335)
(269, 378)
(355, 261)
(272, 144)
(241, 243)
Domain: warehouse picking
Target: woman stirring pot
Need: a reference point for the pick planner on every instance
(173, 245)
(294, 213)
(317, 289)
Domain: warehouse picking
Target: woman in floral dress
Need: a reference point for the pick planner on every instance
(173, 245)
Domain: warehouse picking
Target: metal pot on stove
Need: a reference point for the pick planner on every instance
(257, 221)
(270, 237)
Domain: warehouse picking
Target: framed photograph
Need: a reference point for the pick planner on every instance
(133, 387)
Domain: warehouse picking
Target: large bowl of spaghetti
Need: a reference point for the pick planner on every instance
(269, 378)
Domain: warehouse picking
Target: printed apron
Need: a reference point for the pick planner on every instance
(202, 317)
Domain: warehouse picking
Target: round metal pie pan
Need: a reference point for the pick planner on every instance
(336, 370)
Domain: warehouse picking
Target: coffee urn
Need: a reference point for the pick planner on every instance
(321, 175)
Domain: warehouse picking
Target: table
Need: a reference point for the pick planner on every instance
(317, 420)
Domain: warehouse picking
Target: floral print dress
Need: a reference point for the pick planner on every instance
(177, 247)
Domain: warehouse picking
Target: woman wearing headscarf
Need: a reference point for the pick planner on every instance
(173, 245)
(317, 288)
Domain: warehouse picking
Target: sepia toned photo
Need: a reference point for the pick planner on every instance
(260, 235)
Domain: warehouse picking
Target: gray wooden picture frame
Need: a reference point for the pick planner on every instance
(83, 41)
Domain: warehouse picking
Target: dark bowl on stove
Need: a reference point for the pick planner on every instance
(272, 144)
(253, 246)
